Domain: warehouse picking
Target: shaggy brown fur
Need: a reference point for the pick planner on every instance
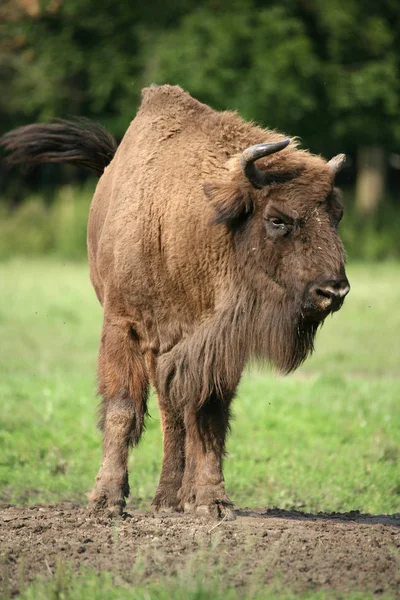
(198, 271)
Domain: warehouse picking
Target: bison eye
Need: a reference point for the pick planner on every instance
(276, 226)
(278, 223)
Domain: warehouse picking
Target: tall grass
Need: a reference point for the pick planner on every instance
(37, 229)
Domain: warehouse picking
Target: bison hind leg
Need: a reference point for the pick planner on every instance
(123, 384)
(166, 498)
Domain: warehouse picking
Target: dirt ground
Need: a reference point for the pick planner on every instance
(341, 552)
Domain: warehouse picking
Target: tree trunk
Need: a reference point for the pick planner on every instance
(371, 175)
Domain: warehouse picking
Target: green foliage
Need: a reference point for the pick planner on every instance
(339, 412)
(78, 57)
(220, 55)
(360, 44)
(325, 72)
(375, 238)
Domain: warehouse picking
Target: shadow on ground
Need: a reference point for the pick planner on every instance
(353, 516)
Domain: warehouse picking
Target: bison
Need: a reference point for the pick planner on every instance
(211, 241)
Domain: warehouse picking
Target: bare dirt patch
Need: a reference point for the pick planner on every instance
(342, 552)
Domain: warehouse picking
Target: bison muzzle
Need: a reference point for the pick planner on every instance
(211, 241)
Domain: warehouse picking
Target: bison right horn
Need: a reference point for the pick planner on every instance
(257, 177)
(336, 163)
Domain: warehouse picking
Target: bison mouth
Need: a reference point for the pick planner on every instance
(283, 331)
(324, 298)
(317, 313)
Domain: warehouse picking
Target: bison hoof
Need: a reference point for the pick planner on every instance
(163, 510)
(102, 510)
(105, 504)
(166, 501)
(115, 511)
(216, 511)
(165, 506)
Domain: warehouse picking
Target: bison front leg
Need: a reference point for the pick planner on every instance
(199, 382)
(173, 465)
(123, 383)
(203, 487)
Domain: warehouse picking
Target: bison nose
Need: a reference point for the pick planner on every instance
(329, 295)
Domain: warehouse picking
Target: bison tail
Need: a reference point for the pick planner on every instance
(79, 142)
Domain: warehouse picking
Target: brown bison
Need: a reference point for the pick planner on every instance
(211, 241)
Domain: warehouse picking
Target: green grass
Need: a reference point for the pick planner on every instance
(324, 439)
(189, 585)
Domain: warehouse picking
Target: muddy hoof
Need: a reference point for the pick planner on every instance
(102, 510)
(165, 502)
(104, 505)
(115, 511)
(216, 512)
(163, 509)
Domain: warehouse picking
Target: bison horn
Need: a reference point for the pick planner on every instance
(257, 177)
(336, 163)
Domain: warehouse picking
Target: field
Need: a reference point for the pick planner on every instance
(318, 446)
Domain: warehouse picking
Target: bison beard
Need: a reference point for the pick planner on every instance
(185, 259)
(213, 358)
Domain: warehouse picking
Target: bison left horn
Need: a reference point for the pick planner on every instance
(257, 177)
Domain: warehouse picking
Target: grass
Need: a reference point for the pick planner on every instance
(190, 586)
(326, 438)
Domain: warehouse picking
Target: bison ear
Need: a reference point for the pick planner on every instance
(229, 200)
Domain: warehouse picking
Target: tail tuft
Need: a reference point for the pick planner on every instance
(79, 142)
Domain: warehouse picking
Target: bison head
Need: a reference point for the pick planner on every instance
(282, 215)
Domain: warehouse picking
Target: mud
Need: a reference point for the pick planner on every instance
(342, 552)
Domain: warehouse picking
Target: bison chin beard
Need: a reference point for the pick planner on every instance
(299, 344)
(283, 335)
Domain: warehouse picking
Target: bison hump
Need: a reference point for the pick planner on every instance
(163, 99)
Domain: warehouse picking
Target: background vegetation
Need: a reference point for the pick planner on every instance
(327, 72)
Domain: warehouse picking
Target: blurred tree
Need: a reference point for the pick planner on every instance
(72, 57)
(80, 57)
(328, 72)
(359, 43)
(258, 60)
